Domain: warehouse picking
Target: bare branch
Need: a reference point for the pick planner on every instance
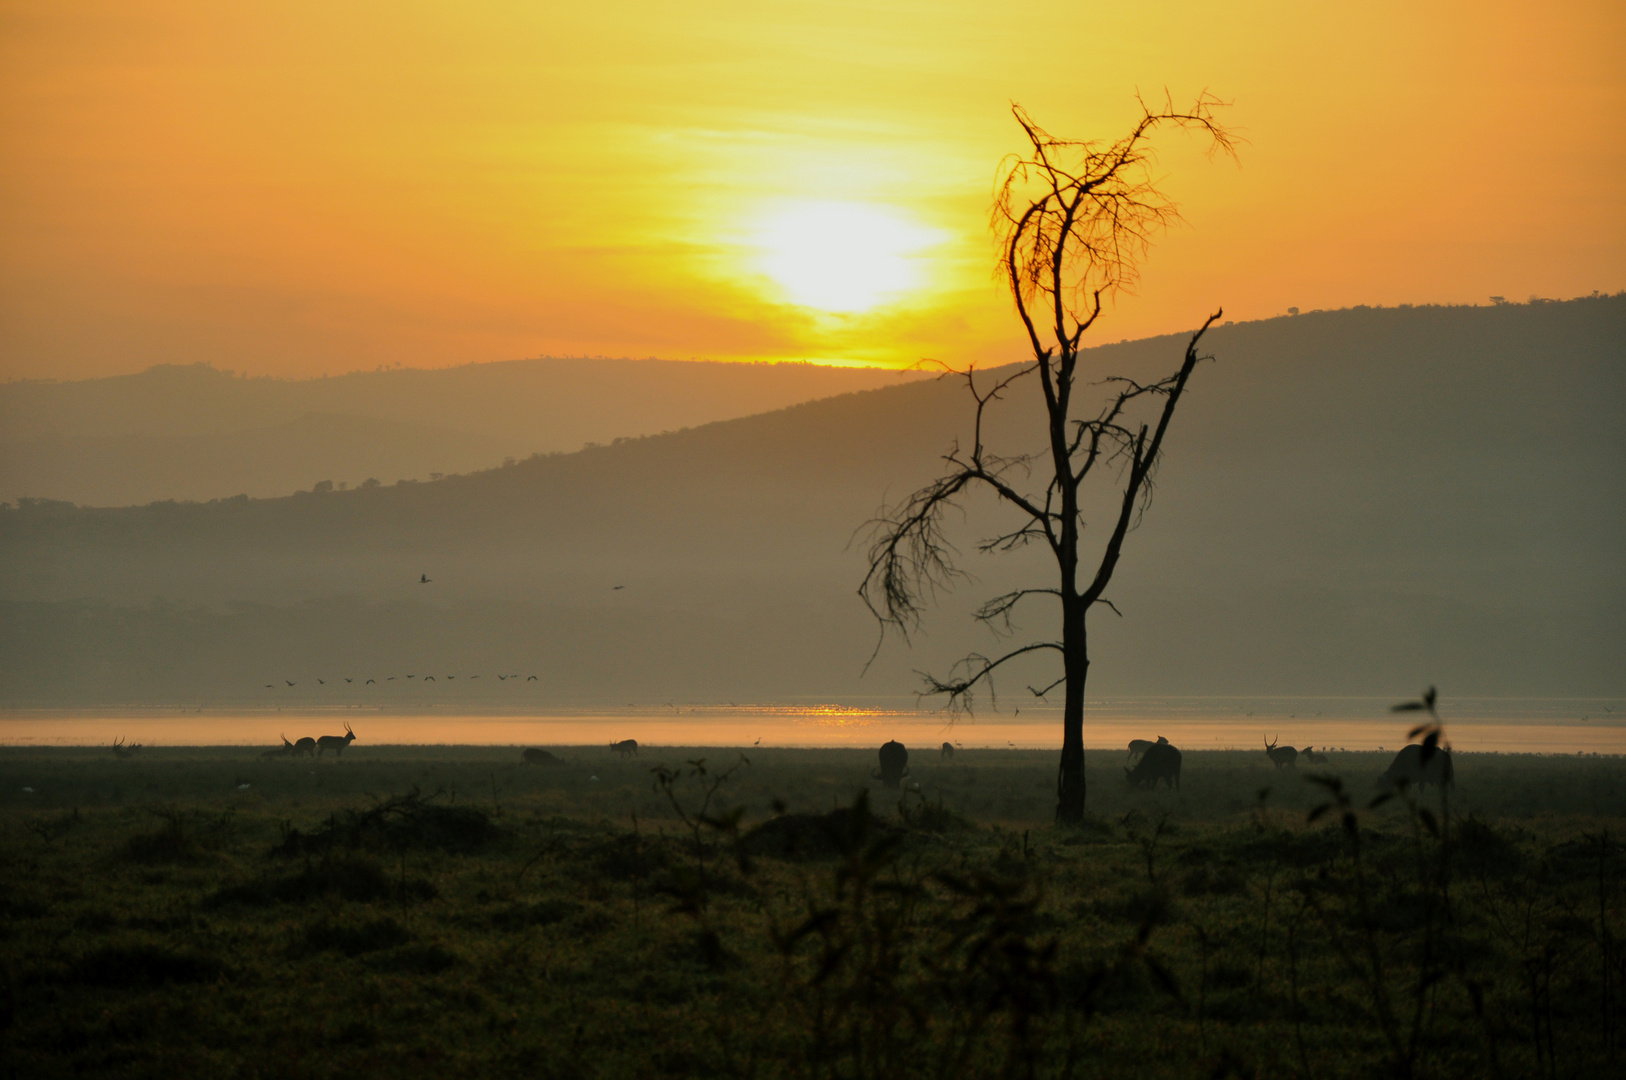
(1077, 216)
(975, 669)
(1146, 451)
(910, 557)
(1041, 693)
(1000, 607)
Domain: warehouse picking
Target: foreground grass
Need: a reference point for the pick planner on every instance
(208, 912)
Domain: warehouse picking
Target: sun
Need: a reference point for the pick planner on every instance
(842, 257)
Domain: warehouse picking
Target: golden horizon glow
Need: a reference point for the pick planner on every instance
(297, 188)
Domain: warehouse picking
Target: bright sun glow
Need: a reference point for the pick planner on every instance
(842, 257)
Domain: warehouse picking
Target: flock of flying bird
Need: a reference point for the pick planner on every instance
(392, 678)
(423, 579)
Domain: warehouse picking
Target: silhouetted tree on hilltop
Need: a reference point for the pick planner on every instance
(1075, 219)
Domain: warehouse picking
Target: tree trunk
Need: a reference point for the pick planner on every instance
(1076, 665)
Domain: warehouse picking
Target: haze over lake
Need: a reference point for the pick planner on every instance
(1493, 725)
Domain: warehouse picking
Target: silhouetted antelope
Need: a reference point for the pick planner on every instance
(626, 747)
(1282, 755)
(948, 751)
(1312, 757)
(539, 757)
(122, 751)
(305, 747)
(335, 743)
(285, 750)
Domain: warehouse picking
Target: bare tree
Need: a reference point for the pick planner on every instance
(1075, 218)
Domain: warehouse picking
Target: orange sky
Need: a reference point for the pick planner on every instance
(296, 188)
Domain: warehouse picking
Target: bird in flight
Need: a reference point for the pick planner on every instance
(531, 679)
(618, 587)
(290, 682)
(428, 678)
(371, 681)
(423, 579)
(270, 686)
(502, 678)
(348, 679)
(321, 682)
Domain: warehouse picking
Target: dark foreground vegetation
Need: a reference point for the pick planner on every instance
(413, 910)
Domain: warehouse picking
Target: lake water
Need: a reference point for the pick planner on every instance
(1504, 725)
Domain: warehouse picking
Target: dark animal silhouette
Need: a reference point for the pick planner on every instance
(1282, 756)
(423, 579)
(335, 743)
(1161, 761)
(1137, 747)
(626, 747)
(305, 747)
(1312, 757)
(894, 765)
(539, 757)
(121, 751)
(948, 751)
(1411, 767)
(285, 750)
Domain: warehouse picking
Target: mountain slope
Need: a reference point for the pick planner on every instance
(198, 433)
(1361, 501)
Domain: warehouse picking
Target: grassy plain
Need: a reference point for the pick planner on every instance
(206, 912)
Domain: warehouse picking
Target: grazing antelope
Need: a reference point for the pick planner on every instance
(539, 757)
(1282, 755)
(335, 743)
(305, 747)
(121, 751)
(626, 747)
(948, 751)
(1312, 757)
(285, 750)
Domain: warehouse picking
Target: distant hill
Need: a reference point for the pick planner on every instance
(1354, 502)
(195, 432)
